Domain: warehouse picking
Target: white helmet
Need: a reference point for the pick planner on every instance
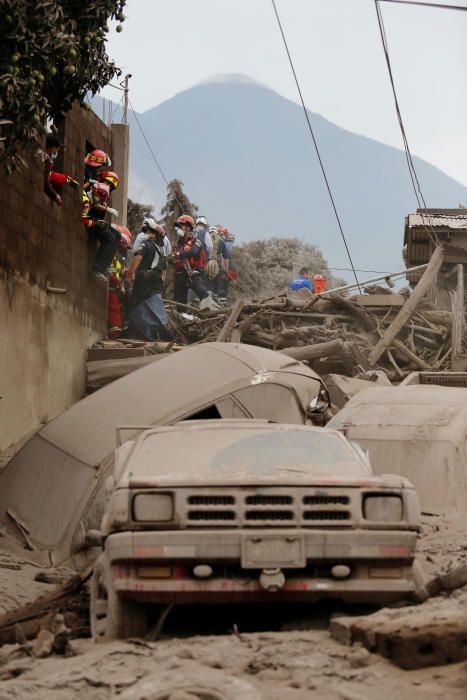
(202, 220)
(149, 222)
(213, 229)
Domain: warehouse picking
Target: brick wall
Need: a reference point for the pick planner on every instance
(45, 243)
(43, 336)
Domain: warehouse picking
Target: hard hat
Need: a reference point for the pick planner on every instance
(185, 219)
(213, 229)
(96, 159)
(100, 190)
(126, 239)
(318, 277)
(202, 220)
(111, 179)
(149, 222)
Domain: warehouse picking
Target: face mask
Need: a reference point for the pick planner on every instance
(145, 228)
(54, 156)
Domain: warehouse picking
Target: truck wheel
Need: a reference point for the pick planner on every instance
(112, 616)
(197, 683)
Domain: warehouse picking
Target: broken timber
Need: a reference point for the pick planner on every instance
(409, 307)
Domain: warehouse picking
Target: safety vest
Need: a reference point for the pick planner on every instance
(196, 262)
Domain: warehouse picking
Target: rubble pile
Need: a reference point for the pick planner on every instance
(334, 334)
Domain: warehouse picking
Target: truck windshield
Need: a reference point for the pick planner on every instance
(230, 452)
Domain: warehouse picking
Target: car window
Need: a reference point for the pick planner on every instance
(245, 451)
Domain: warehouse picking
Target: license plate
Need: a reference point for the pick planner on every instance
(270, 552)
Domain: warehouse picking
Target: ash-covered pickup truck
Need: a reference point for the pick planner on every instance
(248, 511)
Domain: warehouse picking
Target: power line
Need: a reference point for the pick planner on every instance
(315, 142)
(159, 167)
(436, 5)
(408, 156)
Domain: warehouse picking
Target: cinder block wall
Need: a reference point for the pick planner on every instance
(44, 336)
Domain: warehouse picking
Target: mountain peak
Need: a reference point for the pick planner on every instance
(231, 79)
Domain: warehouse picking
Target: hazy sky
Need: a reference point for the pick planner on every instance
(170, 45)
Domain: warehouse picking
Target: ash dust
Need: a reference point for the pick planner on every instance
(277, 661)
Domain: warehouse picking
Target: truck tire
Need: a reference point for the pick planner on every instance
(112, 615)
(195, 682)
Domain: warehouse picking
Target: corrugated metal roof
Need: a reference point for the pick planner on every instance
(438, 221)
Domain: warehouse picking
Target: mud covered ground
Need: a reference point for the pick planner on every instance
(278, 666)
(290, 664)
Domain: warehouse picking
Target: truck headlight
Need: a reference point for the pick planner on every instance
(153, 507)
(385, 509)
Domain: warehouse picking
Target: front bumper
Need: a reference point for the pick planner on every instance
(380, 563)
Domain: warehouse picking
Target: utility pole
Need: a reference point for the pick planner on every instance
(121, 148)
(125, 97)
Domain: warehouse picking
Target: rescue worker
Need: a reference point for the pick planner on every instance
(147, 270)
(222, 282)
(109, 178)
(319, 284)
(189, 262)
(94, 209)
(150, 223)
(53, 181)
(94, 163)
(202, 233)
(117, 285)
(303, 281)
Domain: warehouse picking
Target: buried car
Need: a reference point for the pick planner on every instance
(54, 484)
(418, 431)
(248, 511)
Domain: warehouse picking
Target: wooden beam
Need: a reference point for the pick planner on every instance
(426, 281)
(227, 328)
(458, 317)
(404, 350)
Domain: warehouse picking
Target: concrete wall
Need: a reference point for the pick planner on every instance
(44, 336)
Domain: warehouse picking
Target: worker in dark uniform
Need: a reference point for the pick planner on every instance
(147, 273)
(189, 262)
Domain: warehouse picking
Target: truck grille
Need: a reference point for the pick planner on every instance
(293, 508)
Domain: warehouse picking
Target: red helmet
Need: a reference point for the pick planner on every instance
(185, 219)
(96, 159)
(111, 179)
(126, 238)
(100, 191)
(318, 277)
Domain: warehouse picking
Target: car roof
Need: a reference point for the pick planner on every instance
(399, 412)
(192, 377)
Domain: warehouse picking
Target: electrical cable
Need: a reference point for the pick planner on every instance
(408, 156)
(159, 167)
(436, 5)
(315, 142)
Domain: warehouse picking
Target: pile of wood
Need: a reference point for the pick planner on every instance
(334, 334)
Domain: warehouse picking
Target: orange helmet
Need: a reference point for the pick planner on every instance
(96, 159)
(111, 179)
(126, 238)
(185, 219)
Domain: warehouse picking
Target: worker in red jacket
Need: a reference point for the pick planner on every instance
(53, 181)
(95, 208)
(189, 262)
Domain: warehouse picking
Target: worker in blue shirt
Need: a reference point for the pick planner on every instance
(302, 281)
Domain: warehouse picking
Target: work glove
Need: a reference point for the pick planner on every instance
(73, 183)
(112, 212)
